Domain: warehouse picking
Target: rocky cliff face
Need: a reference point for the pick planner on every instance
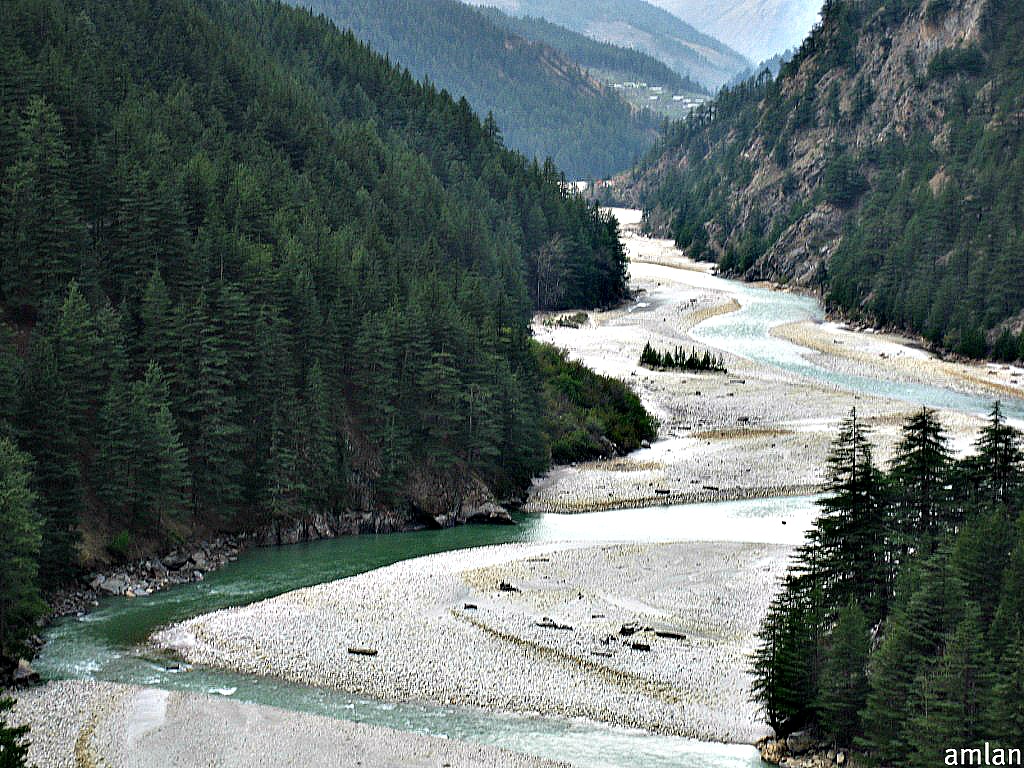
(883, 166)
(816, 105)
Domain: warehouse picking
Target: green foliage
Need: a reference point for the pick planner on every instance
(20, 603)
(544, 105)
(13, 739)
(121, 545)
(681, 360)
(932, 240)
(946, 667)
(249, 264)
(843, 687)
(588, 416)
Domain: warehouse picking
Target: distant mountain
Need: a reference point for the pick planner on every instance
(758, 29)
(607, 61)
(638, 24)
(544, 104)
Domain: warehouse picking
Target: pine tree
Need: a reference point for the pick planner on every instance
(156, 339)
(1005, 717)
(848, 548)
(163, 480)
(321, 461)
(928, 606)
(955, 696)
(43, 238)
(981, 553)
(919, 473)
(843, 687)
(117, 463)
(13, 739)
(1000, 459)
(210, 419)
(20, 602)
(785, 664)
(76, 344)
(44, 414)
(1009, 616)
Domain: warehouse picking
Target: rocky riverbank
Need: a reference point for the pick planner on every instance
(802, 750)
(190, 562)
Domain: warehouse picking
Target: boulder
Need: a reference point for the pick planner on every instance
(97, 582)
(115, 585)
(772, 750)
(175, 560)
(24, 674)
(199, 560)
(799, 742)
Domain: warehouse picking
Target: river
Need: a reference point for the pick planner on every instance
(109, 643)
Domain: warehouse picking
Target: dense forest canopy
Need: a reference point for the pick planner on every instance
(544, 105)
(886, 172)
(250, 272)
(898, 629)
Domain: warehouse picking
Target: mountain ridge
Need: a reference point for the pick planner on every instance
(882, 167)
(543, 102)
(759, 29)
(641, 25)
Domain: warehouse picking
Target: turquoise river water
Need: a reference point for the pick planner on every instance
(108, 643)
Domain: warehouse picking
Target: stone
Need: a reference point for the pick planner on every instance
(115, 585)
(199, 560)
(175, 560)
(841, 758)
(772, 750)
(24, 674)
(97, 582)
(799, 742)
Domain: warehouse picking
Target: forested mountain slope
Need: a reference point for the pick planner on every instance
(544, 104)
(250, 272)
(604, 59)
(884, 165)
(759, 29)
(638, 24)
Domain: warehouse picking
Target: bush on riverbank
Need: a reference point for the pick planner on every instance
(588, 416)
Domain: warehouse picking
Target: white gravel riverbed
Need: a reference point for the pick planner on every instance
(445, 632)
(88, 725)
(759, 431)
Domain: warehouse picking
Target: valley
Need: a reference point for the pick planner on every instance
(495, 661)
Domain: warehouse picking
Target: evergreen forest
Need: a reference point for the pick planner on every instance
(898, 196)
(249, 272)
(544, 104)
(899, 629)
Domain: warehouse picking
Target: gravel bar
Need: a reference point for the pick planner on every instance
(88, 725)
